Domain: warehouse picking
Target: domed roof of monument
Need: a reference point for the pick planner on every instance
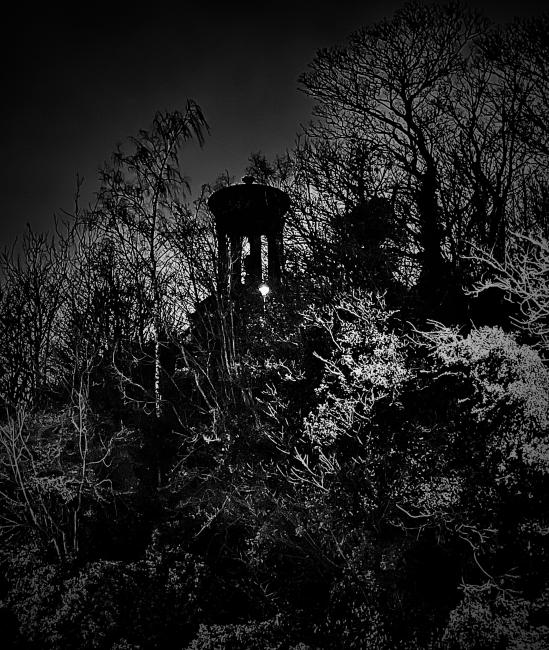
(249, 208)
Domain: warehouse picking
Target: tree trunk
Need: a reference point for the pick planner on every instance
(430, 235)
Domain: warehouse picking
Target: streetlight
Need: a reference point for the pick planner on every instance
(264, 290)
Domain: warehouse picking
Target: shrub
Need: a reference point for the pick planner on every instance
(153, 602)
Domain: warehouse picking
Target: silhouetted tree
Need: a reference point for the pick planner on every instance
(429, 110)
(136, 207)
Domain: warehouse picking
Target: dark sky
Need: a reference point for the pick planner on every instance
(78, 82)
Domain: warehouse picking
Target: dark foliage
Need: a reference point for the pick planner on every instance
(358, 461)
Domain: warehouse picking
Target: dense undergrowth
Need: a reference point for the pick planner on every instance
(390, 495)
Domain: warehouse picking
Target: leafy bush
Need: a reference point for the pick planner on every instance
(153, 602)
(262, 634)
(485, 621)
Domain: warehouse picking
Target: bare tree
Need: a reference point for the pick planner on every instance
(386, 86)
(50, 472)
(433, 110)
(32, 281)
(523, 277)
(137, 203)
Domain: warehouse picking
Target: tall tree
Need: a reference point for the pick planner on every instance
(141, 192)
(441, 106)
(32, 283)
(386, 85)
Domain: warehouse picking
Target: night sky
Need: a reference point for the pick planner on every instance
(77, 83)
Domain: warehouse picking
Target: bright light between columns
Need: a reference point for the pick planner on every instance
(264, 289)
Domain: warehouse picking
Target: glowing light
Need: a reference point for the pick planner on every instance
(264, 289)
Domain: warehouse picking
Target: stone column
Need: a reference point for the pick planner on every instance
(222, 261)
(254, 261)
(236, 261)
(274, 243)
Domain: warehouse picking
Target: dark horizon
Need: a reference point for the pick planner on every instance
(77, 85)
